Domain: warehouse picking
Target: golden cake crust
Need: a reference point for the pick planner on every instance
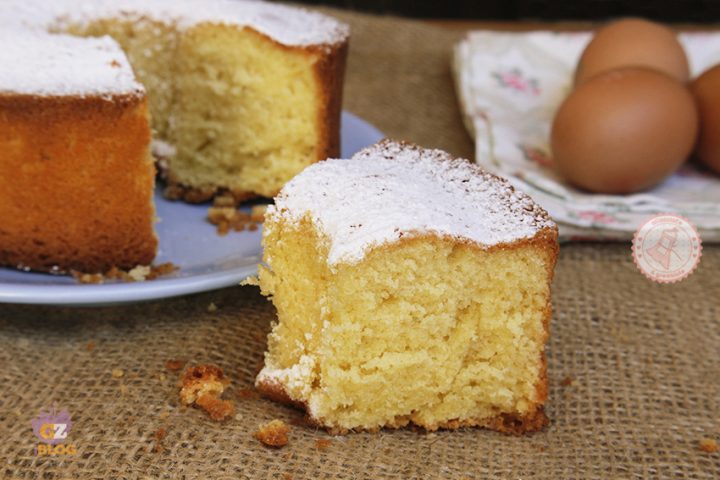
(510, 423)
(329, 70)
(76, 182)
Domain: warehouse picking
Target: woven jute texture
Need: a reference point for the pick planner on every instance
(634, 366)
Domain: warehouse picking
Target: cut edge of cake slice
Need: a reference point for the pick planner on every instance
(411, 287)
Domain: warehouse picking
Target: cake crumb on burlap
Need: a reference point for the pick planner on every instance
(273, 434)
(322, 443)
(246, 393)
(160, 435)
(709, 445)
(174, 364)
(568, 381)
(217, 408)
(202, 386)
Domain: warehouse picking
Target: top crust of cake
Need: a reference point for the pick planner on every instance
(286, 25)
(393, 189)
(43, 64)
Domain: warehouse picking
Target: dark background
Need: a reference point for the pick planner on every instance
(704, 11)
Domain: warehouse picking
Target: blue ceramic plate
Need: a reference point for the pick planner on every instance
(207, 261)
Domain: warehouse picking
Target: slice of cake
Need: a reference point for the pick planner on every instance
(410, 287)
(76, 174)
(243, 94)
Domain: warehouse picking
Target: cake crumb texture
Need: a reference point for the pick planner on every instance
(709, 445)
(202, 385)
(175, 365)
(273, 434)
(217, 408)
(441, 325)
(228, 217)
(139, 273)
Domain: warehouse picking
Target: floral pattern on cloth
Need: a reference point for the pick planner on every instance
(510, 85)
(515, 80)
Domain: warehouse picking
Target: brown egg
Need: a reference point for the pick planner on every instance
(633, 42)
(624, 131)
(706, 89)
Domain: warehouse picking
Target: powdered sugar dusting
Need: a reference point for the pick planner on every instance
(45, 64)
(37, 62)
(391, 190)
(297, 380)
(287, 25)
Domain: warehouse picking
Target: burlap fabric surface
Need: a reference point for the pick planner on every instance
(642, 357)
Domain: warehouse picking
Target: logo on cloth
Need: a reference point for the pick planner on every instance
(52, 428)
(667, 248)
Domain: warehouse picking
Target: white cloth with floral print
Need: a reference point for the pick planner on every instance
(510, 85)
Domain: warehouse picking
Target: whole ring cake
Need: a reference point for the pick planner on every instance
(410, 287)
(241, 97)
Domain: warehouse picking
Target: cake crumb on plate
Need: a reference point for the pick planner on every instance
(139, 273)
(225, 216)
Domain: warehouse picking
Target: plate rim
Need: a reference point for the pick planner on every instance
(122, 292)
